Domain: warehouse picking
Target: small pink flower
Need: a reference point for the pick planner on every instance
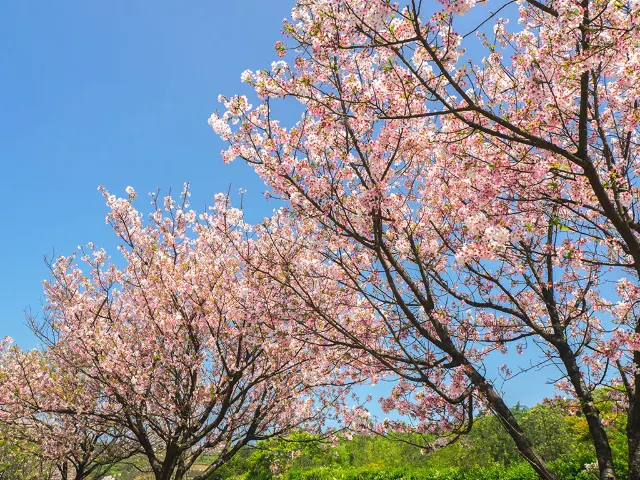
(281, 49)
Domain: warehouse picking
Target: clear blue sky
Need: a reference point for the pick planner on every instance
(117, 94)
(113, 94)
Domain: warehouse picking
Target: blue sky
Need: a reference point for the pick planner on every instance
(97, 93)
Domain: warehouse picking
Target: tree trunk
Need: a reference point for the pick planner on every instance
(168, 466)
(181, 470)
(64, 471)
(590, 411)
(633, 424)
(80, 473)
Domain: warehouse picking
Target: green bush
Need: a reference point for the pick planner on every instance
(486, 453)
(572, 469)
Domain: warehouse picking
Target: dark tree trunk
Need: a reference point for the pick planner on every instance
(80, 473)
(590, 411)
(168, 467)
(181, 470)
(633, 423)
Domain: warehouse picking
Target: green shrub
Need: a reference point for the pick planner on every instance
(570, 469)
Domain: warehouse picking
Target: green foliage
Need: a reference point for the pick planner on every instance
(486, 453)
(261, 461)
(374, 451)
(16, 463)
(548, 429)
(518, 472)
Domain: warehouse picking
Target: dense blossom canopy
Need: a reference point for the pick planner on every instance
(179, 351)
(474, 205)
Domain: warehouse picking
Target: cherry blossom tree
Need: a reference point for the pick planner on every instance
(42, 408)
(474, 205)
(186, 355)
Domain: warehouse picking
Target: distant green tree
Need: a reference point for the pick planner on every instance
(272, 457)
(550, 432)
(549, 429)
(17, 462)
